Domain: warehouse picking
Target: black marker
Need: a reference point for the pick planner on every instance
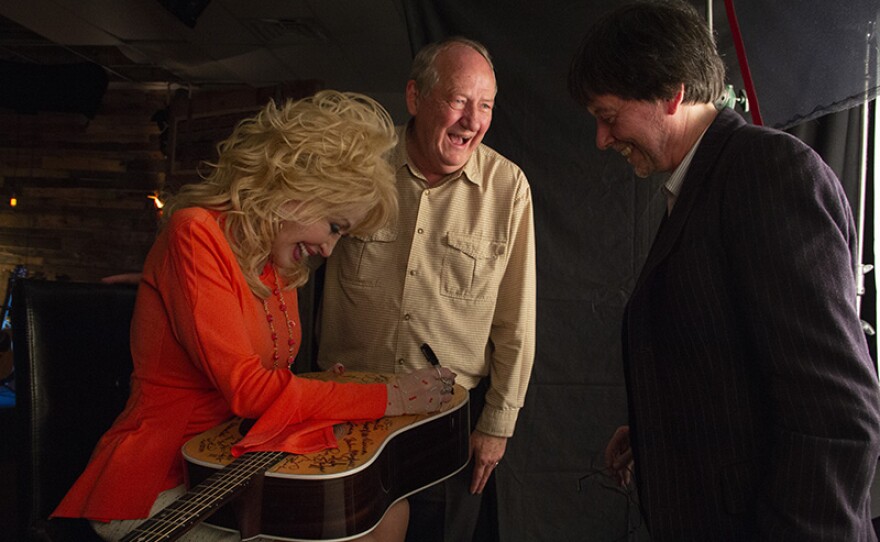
(430, 355)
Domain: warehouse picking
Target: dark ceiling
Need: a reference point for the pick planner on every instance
(347, 44)
(18, 44)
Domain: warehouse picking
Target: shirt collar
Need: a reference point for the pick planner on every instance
(674, 182)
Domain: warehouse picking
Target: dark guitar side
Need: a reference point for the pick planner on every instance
(342, 506)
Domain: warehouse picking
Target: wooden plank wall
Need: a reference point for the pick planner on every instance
(83, 184)
(199, 121)
(82, 187)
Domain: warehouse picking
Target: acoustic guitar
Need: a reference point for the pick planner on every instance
(331, 495)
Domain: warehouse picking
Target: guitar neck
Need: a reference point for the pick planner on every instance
(200, 502)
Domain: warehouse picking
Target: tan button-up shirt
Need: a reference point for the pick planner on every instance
(457, 271)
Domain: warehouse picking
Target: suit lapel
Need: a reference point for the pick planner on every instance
(702, 165)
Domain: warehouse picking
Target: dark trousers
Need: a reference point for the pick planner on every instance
(447, 512)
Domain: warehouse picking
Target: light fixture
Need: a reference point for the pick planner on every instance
(156, 200)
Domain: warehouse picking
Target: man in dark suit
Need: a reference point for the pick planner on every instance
(753, 400)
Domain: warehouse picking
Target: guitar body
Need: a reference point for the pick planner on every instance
(341, 493)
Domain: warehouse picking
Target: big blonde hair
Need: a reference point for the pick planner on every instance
(326, 152)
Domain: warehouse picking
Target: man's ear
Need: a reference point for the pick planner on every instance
(673, 103)
(412, 97)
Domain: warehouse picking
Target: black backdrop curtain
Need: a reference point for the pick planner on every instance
(811, 57)
(838, 138)
(594, 223)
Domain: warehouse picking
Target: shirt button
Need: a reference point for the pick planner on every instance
(420, 230)
(406, 316)
(412, 271)
(400, 361)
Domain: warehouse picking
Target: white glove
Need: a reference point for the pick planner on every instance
(421, 391)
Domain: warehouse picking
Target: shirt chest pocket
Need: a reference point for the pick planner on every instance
(366, 261)
(472, 266)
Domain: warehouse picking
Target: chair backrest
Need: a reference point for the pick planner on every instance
(72, 371)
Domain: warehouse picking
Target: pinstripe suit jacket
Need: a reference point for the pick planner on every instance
(753, 399)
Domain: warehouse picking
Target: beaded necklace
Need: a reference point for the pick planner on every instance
(290, 324)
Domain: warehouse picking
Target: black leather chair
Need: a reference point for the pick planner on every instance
(72, 371)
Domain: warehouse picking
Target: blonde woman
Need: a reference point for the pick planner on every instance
(216, 324)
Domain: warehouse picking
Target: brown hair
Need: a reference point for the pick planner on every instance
(646, 51)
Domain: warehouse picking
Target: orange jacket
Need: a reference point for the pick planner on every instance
(202, 353)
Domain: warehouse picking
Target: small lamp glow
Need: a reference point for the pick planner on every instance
(156, 201)
(13, 201)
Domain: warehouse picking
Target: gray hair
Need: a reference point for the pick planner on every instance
(423, 70)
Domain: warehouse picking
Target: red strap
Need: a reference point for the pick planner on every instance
(743, 63)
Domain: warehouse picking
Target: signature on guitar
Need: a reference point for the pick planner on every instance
(335, 494)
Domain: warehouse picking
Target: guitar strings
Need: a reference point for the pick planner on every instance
(212, 490)
(206, 494)
(187, 510)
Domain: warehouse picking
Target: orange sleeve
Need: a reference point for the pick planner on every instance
(208, 301)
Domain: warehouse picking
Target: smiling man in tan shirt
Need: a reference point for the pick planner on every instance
(456, 271)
